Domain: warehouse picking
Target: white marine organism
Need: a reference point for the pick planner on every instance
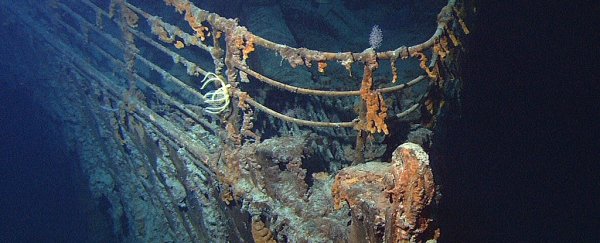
(217, 99)
(376, 37)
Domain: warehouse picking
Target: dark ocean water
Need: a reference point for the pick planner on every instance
(526, 151)
(40, 196)
(519, 171)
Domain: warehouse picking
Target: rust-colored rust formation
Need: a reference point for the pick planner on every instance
(260, 233)
(390, 202)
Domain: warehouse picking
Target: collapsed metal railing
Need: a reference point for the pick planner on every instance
(230, 68)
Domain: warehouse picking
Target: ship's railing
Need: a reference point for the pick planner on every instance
(231, 45)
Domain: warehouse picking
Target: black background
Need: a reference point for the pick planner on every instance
(524, 159)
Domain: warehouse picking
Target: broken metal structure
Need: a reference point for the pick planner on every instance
(180, 128)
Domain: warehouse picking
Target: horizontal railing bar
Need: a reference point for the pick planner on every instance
(401, 86)
(225, 24)
(296, 120)
(303, 122)
(306, 91)
(291, 88)
(408, 111)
